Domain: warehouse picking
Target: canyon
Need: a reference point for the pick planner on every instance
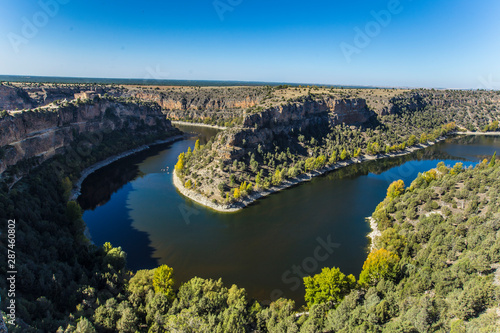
(266, 129)
(43, 133)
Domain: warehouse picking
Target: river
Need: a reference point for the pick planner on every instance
(267, 247)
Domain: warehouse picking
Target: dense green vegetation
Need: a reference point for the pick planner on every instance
(57, 266)
(432, 269)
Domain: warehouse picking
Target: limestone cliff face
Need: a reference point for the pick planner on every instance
(196, 102)
(12, 98)
(42, 134)
(33, 95)
(199, 104)
(262, 128)
(45, 95)
(419, 100)
(303, 114)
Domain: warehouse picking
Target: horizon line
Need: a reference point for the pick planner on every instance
(152, 81)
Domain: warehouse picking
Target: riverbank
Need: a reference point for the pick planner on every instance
(478, 133)
(85, 173)
(202, 200)
(374, 233)
(256, 195)
(185, 123)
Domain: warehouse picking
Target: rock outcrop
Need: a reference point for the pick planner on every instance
(12, 98)
(44, 133)
(350, 111)
(202, 104)
(262, 128)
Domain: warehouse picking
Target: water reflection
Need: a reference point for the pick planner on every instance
(266, 248)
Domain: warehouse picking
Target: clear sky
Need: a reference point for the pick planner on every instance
(415, 43)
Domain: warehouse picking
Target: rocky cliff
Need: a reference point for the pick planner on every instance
(419, 99)
(262, 128)
(12, 98)
(215, 105)
(44, 133)
(35, 95)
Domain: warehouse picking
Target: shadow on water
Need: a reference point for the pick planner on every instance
(99, 186)
(115, 181)
(108, 231)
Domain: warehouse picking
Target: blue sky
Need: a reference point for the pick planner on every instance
(450, 44)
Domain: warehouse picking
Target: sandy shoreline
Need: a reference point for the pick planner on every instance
(478, 133)
(374, 233)
(185, 123)
(230, 208)
(85, 173)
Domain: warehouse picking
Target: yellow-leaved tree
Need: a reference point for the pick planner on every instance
(163, 281)
(396, 189)
(179, 167)
(380, 265)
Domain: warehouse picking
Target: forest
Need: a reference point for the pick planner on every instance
(434, 267)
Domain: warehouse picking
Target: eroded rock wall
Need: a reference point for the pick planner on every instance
(42, 134)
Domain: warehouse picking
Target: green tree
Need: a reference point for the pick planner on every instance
(493, 160)
(380, 264)
(197, 145)
(115, 257)
(128, 321)
(424, 138)
(67, 186)
(163, 281)
(142, 282)
(106, 316)
(331, 285)
(279, 317)
(84, 326)
(74, 214)
(412, 140)
(391, 240)
(73, 211)
(157, 305)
